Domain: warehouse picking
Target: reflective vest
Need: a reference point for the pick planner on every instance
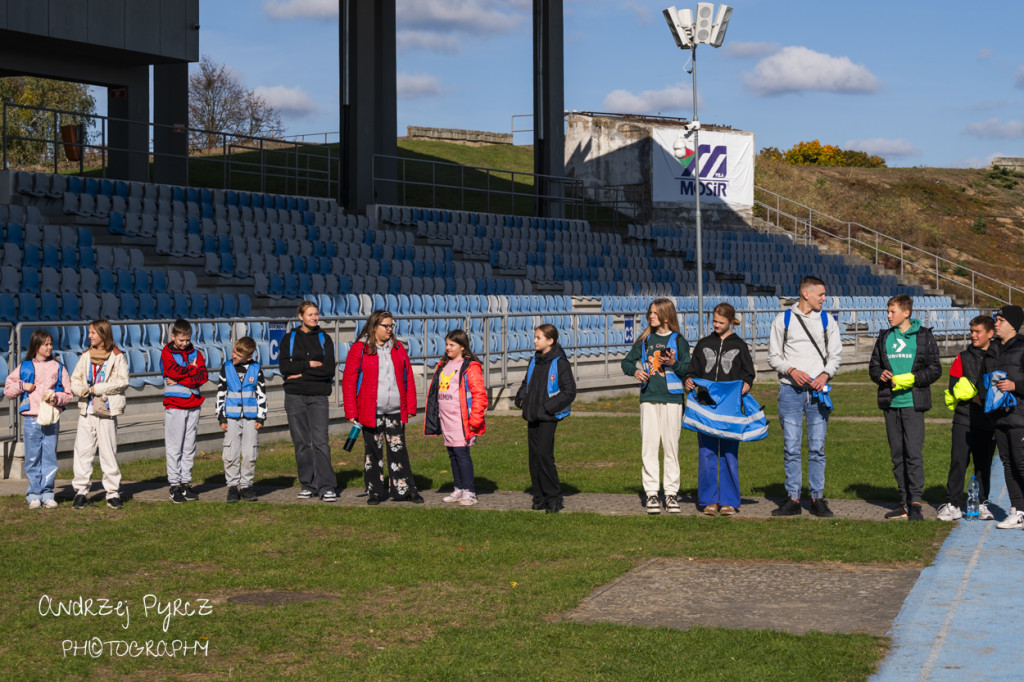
(27, 374)
(730, 414)
(672, 380)
(241, 397)
(553, 389)
(177, 390)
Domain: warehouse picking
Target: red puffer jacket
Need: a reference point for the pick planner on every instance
(361, 399)
(474, 403)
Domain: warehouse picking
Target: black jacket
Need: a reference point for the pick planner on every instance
(718, 359)
(926, 369)
(971, 365)
(534, 400)
(306, 347)
(1009, 357)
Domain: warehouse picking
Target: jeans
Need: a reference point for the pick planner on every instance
(40, 458)
(795, 404)
(718, 475)
(307, 421)
(462, 468)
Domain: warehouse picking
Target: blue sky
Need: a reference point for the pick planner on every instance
(935, 83)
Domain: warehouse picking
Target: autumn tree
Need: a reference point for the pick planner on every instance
(36, 127)
(814, 153)
(218, 103)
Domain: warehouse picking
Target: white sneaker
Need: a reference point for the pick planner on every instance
(50, 503)
(653, 505)
(983, 513)
(35, 504)
(1014, 520)
(453, 496)
(948, 512)
(468, 499)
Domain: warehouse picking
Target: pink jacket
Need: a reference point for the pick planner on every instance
(46, 380)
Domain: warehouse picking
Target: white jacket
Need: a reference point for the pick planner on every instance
(112, 387)
(799, 352)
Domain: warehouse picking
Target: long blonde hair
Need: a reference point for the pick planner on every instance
(665, 309)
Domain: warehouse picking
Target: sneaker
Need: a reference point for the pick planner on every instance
(653, 505)
(35, 504)
(949, 512)
(672, 504)
(914, 513)
(983, 513)
(50, 503)
(416, 498)
(233, 495)
(189, 494)
(790, 507)
(1014, 520)
(554, 506)
(539, 505)
(249, 494)
(329, 496)
(172, 491)
(819, 508)
(726, 510)
(899, 512)
(453, 496)
(305, 494)
(711, 509)
(80, 502)
(468, 499)
(178, 496)
(115, 502)
(373, 499)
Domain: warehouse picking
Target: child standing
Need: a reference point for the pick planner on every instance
(904, 363)
(547, 391)
(456, 402)
(40, 379)
(241, 411)
(720, 356)
(99, 380)
(655, 360)
(184, 371)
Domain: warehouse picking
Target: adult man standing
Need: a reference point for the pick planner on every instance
(1009, 420)
(806, 351)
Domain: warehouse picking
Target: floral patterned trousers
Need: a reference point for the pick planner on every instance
(387, 438)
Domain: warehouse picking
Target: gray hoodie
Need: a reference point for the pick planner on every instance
(799, 351)
(389, 401)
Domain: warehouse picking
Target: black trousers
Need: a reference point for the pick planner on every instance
(307, 420)
(967, 442)
(540, 438)
(905, 428)
(387, 439)
(1011, 450)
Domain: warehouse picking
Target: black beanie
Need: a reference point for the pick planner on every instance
(1013, 314)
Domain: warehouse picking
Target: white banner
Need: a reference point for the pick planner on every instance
(726, 169)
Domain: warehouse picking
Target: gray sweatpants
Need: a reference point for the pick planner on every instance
(905, 428)
(240, 449)
(180, 427)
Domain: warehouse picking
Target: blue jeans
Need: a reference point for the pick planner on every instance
(462, 468)
(718, 476)
(40, 458)
(794, 404)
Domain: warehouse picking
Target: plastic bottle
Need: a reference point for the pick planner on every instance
(973, 501)
(353, 434)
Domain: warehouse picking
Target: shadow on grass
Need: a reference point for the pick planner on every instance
(567, 489)
(482, 485)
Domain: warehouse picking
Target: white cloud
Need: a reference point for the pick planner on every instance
(301, 9)
(975, 162)
(881, 146)
(411, 85)
(427, 40)
(742, 50)
(293, 101)
(984, 53)
(445, 16)
(798, 69)
(995, 128)
(673, 98)
(643, 14)
(1018, 77)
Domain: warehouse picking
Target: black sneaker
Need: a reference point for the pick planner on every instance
(114, 502)
(249, 494)
(539, 504)
(899, 512)
(373, 499)
(178, 496)
(80, 502)
(416, 498)
(819, 507)
(189, 494)
(790, 507)
(233, 495)
(172, 493)
(914, 513)
(554, 506)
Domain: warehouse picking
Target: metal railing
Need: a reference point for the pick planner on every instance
(808, 225)
(241, 162)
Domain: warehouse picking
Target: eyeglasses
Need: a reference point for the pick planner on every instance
(388, 326)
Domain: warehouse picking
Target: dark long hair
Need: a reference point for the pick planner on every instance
(366, 334)
(460, 337)
(38, 338)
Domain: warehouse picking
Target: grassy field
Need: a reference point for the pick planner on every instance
(426, 593)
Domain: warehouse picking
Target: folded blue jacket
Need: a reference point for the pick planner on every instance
(994, 398)
(722, 410)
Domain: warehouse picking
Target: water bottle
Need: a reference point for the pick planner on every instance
(973, 501)
(353, 433)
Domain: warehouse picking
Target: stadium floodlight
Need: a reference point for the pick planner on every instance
(689, 30)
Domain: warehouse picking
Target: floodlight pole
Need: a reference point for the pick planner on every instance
(696, 196)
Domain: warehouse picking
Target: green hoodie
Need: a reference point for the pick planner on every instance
(900, 351)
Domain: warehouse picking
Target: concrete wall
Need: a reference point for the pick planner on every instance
(458, 135)
(1011, 162)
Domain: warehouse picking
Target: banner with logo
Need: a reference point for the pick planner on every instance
(726, 168)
